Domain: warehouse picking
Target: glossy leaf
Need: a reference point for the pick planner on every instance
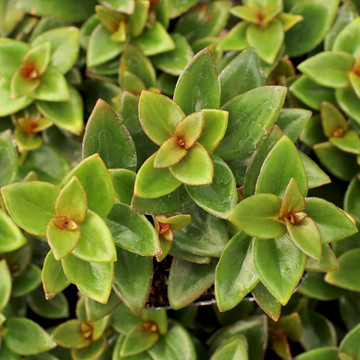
(235, 39)
(70, 334)
(96, 311)
(11, 236)
(5, 286)
(133, 279)
(317, 331)
(267, 41)
(284, 261)
(284, 156)
(329, 68)
(158, 116)
(308, 33)
(292, 122)
(259, 209)
(350, 344)
(66, 115)
(328, 353)
(347, 39)
(345, 275)
(266, 301)
(198, 86)
(25, 337)
(93, 279)
(234, 348)
(328, 261)
(187, 281)
(351, 195)
(93, 176)
(108, 137)
(349, 143)
(220, 196)
(333, 223)
(235, 276)
(72, 201)
(154, 41)
(260, 106)
(31, 198)
(124, 181)
(316, 177)
(133, 231)
(53, 277)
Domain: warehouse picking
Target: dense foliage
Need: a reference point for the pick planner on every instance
(161, 155)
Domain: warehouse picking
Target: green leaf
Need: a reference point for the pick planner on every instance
(345, 276)
(329, 68)
(267, 41)
(106, 135)
(133, 279)
(177, 8)
(332, 119)
(39, 57)
(282, 164)
(316, 177)
(281, 270)
(330, 353)
(247, 13)
(101, 48)
(25, 337)
(96, 242)
(174, 61)
(5, 285)
(10, 17)
(235, 276)
(134, 61)
(137, 20)
(196, 168)
(292, 122)
(93, 175)
(96, 311)
(337, 162)
(246, 65)
(293, 200)
(53, 277)
(196, 239)
(315, 287)
(26, 142)
(159, 317)
(355, 82)
(318, 17)
(351, 204)
(349, 142)
(124, 181)
(190, 128)
(350, 344)
(138, 340)
(176, 344)
(175, 201)
(328, 261)
(220, 196)
(22, 86)
(11, 236)
(333, 223)
(235, 39)
(72, 201)
(66, 115)
(266, 301)
(349, 304)
(251, 115)
(69, 334)
(169, 154)
(317, 331)
(53, 87)
(92, 279)
(311, 93)
(349, 102)
(153, 183)
(306, 237)
(124, 6)
(8, 158)
(27, 281)
(93, 351)
(159, 116)
(31, 204)
(347, 40)
(259, 209)
(12, 53)
(56, 308)
(257, 160)
(198, 86)
(183, 255)
(187, 281)
(154, 40)
(9, 105)
(133, 231)
(234, 348)
(69, 10)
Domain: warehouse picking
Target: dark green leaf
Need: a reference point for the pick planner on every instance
(234, 348)
(93, 351)
(292, 122)
(124, 181)
(5, 285)
(27, 281)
